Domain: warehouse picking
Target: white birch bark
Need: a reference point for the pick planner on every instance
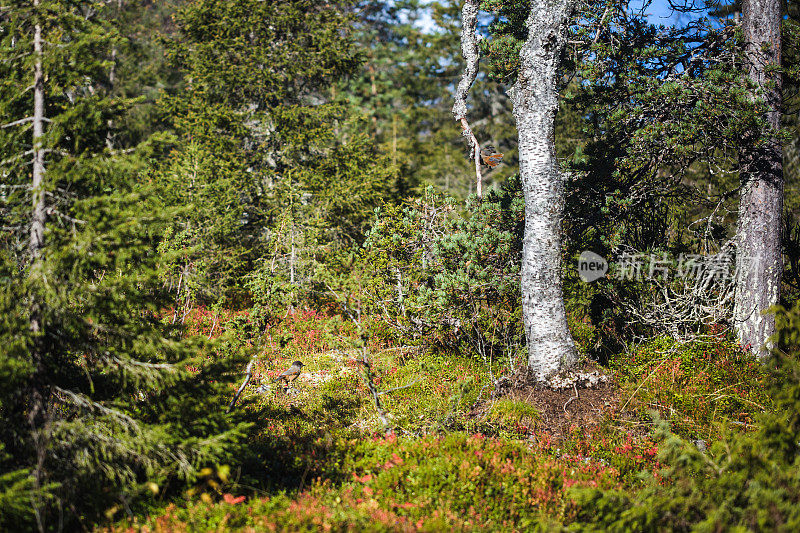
(759, 263)
(535, 101)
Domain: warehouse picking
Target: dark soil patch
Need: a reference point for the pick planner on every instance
(560, 409)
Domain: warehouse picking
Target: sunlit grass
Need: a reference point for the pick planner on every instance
(319, 456)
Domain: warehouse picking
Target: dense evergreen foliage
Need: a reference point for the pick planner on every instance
(187, 186)
(101, 399)
(276, 177)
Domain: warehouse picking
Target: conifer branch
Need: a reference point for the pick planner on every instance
(141, 364)
(82, 401)
(5, 162)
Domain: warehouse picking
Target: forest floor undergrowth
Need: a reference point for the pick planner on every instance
(463, 452)
(555, 411)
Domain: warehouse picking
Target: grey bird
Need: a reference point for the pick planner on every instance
(292, 373)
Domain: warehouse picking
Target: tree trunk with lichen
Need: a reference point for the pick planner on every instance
(758, 234)
(535, 100)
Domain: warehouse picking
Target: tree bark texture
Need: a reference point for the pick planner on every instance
(38, 391)
(759, 263)
(471, 53)
(535, 100)
(39, 213)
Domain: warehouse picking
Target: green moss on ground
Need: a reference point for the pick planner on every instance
(319, 457)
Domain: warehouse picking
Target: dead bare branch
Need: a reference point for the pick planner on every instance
(248, 375)
(471, 53)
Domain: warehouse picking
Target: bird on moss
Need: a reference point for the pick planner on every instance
(291, 374)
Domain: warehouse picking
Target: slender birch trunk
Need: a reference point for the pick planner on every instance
(535, 100)
(759, 263)
(471, 53)
(292, 257)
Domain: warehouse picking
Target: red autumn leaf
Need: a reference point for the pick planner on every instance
(231, 499)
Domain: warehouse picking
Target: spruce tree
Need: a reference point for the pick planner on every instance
(100, 399)
(281, 180)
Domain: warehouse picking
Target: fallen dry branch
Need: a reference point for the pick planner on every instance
(248, 375)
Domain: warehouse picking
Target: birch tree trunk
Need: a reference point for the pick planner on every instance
(758, 234)
(535, 100)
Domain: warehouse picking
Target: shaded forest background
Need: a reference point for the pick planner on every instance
(246, 181)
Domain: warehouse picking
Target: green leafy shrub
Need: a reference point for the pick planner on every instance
(457, 482)
(454, 280)
(486, 481)
(451, 280)
(625, 451)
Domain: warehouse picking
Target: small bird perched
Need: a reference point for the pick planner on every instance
(291, 374)
(490, 157)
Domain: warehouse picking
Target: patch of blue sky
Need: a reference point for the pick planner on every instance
(659, 12)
